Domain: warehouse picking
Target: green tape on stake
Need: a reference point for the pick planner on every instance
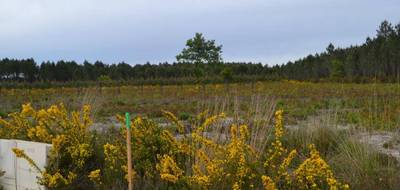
(128, 120)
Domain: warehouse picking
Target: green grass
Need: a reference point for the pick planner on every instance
(369, 106)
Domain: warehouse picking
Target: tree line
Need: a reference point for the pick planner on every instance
(376, 59)
(27, 70)
(199, 61)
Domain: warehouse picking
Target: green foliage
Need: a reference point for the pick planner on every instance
(184, 116)
(337, 68)
(352, 117)
(199, 50)
(104, 78)
(375, 60)
(227, 74)
(358, 164)
(364, 168)
(3, 114)
(148, 141)
(198, 72)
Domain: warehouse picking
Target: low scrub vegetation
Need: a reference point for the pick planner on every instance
(179, 157)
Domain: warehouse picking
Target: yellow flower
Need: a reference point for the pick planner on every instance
(170, 116)
(169, 170)
(169, 177)
(55, 180)
(27, 110)
(203, 156)
(57, 143)
(209, 121)
(236, 186)
(19, 153)
(86, 116)
(277, 149)
(79, 153)
(315, 169)
(71, 176)
(278, 124)
(268, 183)
(68, 134)
(95, 176)
(244, 132)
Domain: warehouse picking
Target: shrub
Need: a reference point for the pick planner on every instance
(184, 116)
(161, 159)
(72, 148)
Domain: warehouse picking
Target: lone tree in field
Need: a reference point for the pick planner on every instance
(200, 51)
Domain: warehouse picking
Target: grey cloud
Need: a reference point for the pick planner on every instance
(270, 31)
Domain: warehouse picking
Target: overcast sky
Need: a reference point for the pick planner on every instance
(267, 31)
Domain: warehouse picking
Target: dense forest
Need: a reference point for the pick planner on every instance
(378, 59)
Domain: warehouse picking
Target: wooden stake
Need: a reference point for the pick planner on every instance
(129, 150)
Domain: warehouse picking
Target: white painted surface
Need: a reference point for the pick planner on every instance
(19, 175)
(7, 164)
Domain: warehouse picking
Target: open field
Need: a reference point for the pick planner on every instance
(353, 126)
(370, 106)
(199, 95)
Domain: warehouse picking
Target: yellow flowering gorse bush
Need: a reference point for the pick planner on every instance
(67, 132)
(236, 165)
(181, 157)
